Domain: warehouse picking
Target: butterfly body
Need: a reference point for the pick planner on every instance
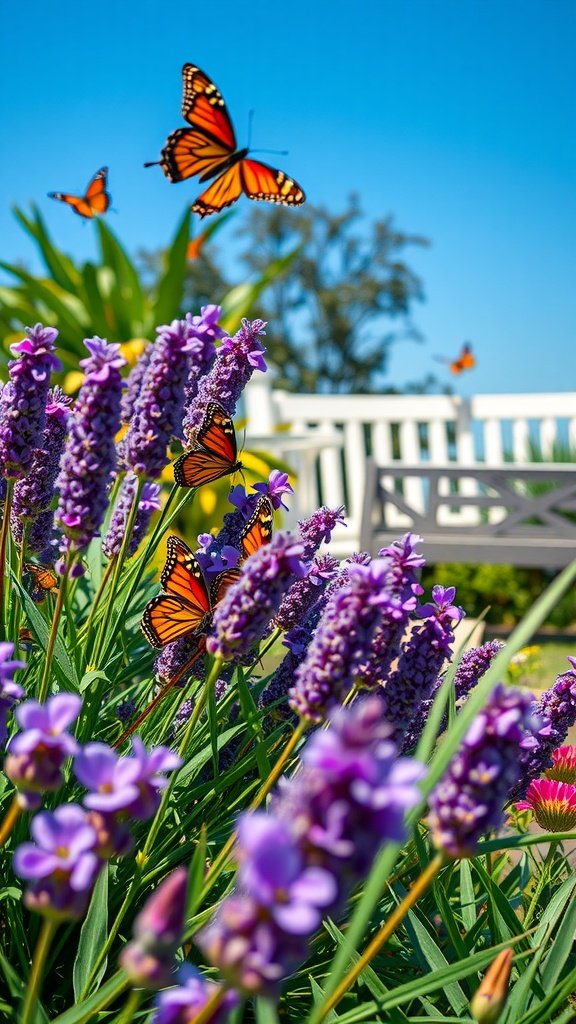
(45, 580)
(95, 201)
(465, 361)
(214, 454)
(208, 149)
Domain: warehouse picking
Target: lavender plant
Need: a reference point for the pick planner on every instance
(147, 876)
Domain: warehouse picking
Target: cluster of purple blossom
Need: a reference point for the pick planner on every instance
(68, 457)
(72, 843)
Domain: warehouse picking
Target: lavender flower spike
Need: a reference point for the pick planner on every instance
(34, 494)
(23, 400)
(421, 660)
(90, 454)
(149, 503)
(150, 959)
(158, 409)
(36, 755)
(205, 331)
(468, 801)
(233, 367)
(341, 642)
(317, 529)
(241, 617)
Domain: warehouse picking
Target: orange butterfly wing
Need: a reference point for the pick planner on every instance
(203, 107)
(258, 529)
(215, 452)
(221, 583)
(43, 577)
(465, 361)
(258, 181)
(185, 607)
(96, 201)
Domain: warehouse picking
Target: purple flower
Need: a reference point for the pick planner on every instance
(62, 866)
(158, 409)
(242, 616)
(150, 959)
(205, 331)
(473, 664)
(36, 755)
(110, 779)
(557, 707)
(341, 642)
(233, 367)
(305, 592)
(23, 399)
(148, 779)
(149, 503)
(173, 658)
(420, 662)
(10, 692)
(33, 494)
(318, 528)
(468, 801)
(182, 1004)
(273, 871)
(89, 458)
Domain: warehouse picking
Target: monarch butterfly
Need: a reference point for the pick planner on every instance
(465, 360)
(45, 580)
(186, 606)
(214, 454)
(96, 201)
(208, 148)
(256, 533)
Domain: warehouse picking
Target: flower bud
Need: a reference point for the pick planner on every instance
(489, 999)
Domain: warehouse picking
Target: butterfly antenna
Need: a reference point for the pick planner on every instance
(153, 163)
(277, 152)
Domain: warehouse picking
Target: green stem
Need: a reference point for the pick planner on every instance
(420, 886)
(12, 815)
(118, 566)
(3, 546)
(16, 608)
(38, 961)
(131, 1007)
(97, 597)
(54, 630)
(542, 881)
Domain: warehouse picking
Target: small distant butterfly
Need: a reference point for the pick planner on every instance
(209, 148)
(185, 608)
(95, 201)
(45, 580)
(465, 360)
(25, 637)
(214, 453)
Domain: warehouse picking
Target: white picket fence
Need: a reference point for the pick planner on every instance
(328, 440)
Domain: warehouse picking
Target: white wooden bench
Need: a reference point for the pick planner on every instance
(522, 514)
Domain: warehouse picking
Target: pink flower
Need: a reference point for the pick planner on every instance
(563, 765)
(553, 804)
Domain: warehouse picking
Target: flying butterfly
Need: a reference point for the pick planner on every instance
(465, 360)
(185, 608)
(256, 533)
(96, 200)
(208, 148)
(44, 579)
(215, 452)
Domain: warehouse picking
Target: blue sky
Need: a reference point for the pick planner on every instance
(456, 117)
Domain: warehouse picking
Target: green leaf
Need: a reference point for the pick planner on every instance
(59, 266)
(95, 300)
(265, 1011)
(93, 935)
(196, 873)
(127, 297)
(467, 896)
(424, 943)
(106, 994)
(171, 285)
(67, 307)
